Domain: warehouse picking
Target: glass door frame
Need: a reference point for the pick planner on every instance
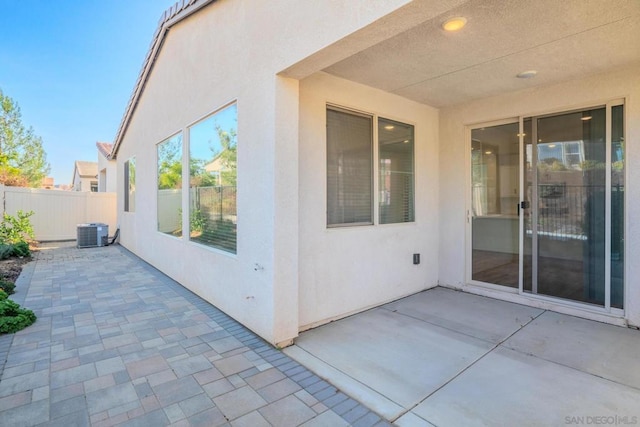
(469, 216)
(607, 308)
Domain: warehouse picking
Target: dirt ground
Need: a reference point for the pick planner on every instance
(10, 268)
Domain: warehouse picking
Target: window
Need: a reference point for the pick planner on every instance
(94, 186)
(130, 185)
(617, 206)
(170, 186)
(395, 144)
(212, 180)
(350, 169)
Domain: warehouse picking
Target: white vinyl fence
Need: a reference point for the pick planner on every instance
(169, 210)
(57, 213)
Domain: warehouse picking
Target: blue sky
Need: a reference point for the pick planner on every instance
(71, 65)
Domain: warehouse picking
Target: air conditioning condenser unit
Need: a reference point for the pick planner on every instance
(92, 235)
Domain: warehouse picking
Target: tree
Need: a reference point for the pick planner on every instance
(23, 161)
(227, 155)
(170, 164)
(199, 177)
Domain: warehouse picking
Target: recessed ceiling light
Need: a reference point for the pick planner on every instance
(454, 24)
(585, 118)
(487, 152)
(527, 74)
(389, 127)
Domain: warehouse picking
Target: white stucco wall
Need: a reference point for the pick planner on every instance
(106, 174)
(348, 269)
(591, 91)
(233, 51)
(290, 271)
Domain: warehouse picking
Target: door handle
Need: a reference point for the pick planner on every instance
(523, 205)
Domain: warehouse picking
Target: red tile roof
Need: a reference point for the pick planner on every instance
(104, 148)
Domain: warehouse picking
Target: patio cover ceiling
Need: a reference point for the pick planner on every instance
(561, 40)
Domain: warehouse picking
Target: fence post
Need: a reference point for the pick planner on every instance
(221, 199)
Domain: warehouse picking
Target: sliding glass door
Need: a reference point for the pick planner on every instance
(569, 215)
(574, 194)
(495, 193)
(566, 189)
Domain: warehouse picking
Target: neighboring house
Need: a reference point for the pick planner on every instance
(217, 168)
(47, 183)
(85, 176)
(370, 154)
(106, 168)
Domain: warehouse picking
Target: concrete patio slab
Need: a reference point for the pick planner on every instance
(447, 358)
(356, 389)
(411, 420)
(510, 388)
(599, 349)
(399, 357)
(480, 317)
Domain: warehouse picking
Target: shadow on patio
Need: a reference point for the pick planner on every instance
(449, 358)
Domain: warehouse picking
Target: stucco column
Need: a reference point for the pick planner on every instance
(285, 185)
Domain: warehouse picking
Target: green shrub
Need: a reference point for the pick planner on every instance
(6, 251)
(198, 220)
(18, 228)
(3, 295)
(13, 318)
(21, 249)
(7, 286)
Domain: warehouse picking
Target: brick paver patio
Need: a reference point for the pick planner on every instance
(119, 343)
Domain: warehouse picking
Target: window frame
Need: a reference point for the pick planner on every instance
(157, 183)
(413, 170)
(187, 163)
(128, 197)
(375, 168)
(373, 159)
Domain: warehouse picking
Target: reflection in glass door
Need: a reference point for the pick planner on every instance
(495, 193)
(574, 195)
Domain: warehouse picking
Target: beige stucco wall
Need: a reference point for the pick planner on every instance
(232, 51)
(591, 91)
(106, 174)
(348, 269)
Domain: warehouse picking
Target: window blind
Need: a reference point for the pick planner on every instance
(349, 168)
(396, 172)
